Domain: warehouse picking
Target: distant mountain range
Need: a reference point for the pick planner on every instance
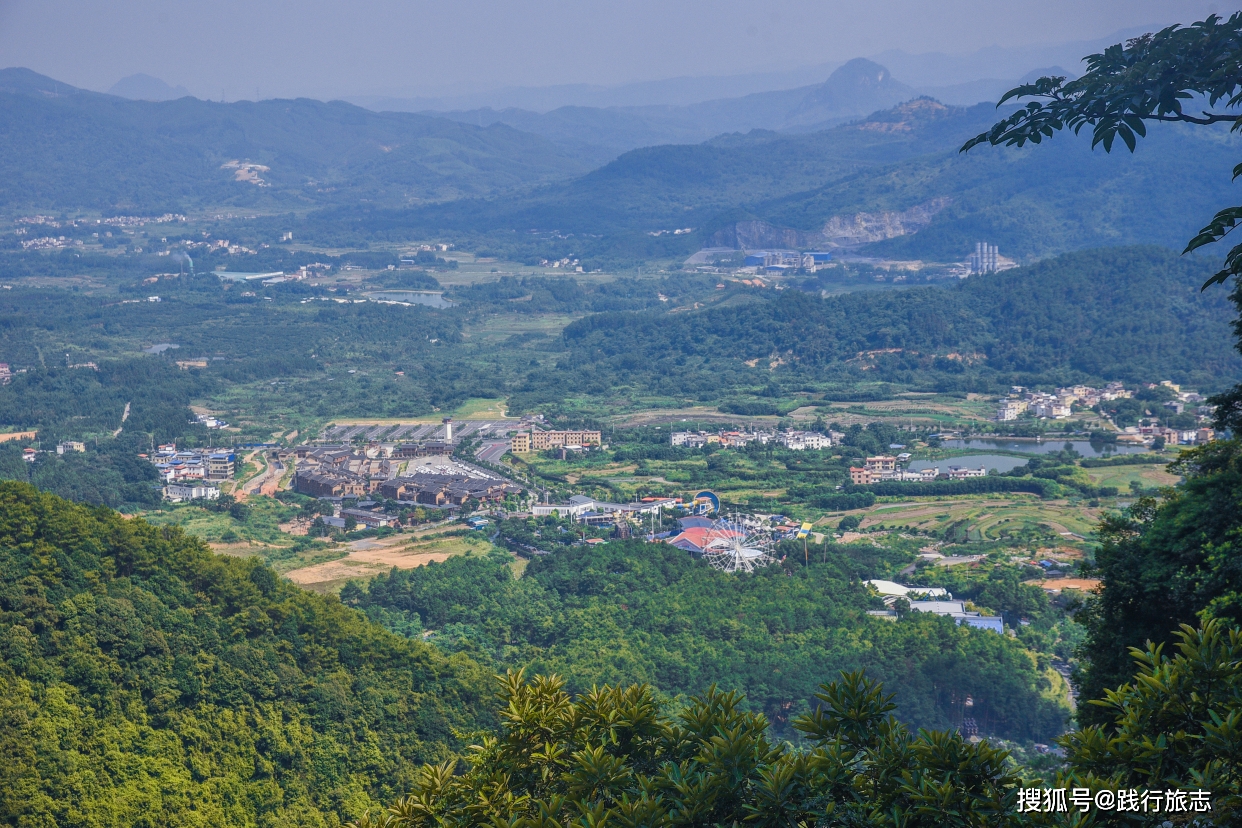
(143, 87)
(853, 90)
(891, 184)
(859, 162)
(63, 147)
(952, 79)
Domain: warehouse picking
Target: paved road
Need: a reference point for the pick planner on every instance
(267, 481)
(491, 451)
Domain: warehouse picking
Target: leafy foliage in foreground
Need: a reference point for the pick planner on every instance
(144, 681)
(1150, 78)
(1176, 724)
(612, 756)
(629, 612)
(1167, 562)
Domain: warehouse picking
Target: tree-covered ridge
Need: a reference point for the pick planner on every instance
(1122, 313)
(1166, 562)
(628, 612)
(614, 755)
(145, 681)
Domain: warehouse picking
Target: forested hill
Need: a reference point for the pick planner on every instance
(1133, 314)
(66, 148)
(629, 612)
(1035, 201)
(145, 681)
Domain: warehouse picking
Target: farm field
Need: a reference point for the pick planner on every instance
(369, 557)
(1014, 518)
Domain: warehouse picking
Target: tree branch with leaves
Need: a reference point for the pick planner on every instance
(1182, 74)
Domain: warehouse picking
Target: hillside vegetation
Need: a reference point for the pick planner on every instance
(1126, 314)
(146, 681)
(630, 612)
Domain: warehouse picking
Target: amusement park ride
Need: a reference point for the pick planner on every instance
(737, 544)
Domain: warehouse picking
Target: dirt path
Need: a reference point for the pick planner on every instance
(266, 482)
(124, 417)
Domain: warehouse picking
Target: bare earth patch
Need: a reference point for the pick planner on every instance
(1058, 584)
(370, 556)
(364, 564)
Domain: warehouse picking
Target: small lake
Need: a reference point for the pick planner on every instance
(1083, 447)
(430, 298)
(1000, 462)
(160, 348)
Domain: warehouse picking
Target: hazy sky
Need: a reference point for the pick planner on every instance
(328, 48)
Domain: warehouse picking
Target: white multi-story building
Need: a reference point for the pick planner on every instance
(1051, 408)
(1010, 410)
(802, 440)
(181, 492)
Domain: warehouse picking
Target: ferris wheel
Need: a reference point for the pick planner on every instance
(737, 545)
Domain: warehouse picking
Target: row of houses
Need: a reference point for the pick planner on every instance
(176, 466)
(1171, 436)
(792, 440)
(524, 442)
(446, 489)
(1058, 406)
(865, 477)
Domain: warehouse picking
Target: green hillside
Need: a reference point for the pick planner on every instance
(145, 681)
(1133, 314)
(636, 612)
(65, 148)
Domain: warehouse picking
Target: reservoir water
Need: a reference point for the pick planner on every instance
(1000, 462)
(430, 298)
(1083, 447)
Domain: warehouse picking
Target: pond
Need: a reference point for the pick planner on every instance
(1000, 462)
(160, 348)
(1083, 447)
(430, 298)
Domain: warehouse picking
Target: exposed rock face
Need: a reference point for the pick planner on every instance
(863, 228)
(756, 235)
(843, 231)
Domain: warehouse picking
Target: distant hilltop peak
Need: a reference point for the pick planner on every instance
(860, 71)
(859, 87)
(142, 87)
(904, 117)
